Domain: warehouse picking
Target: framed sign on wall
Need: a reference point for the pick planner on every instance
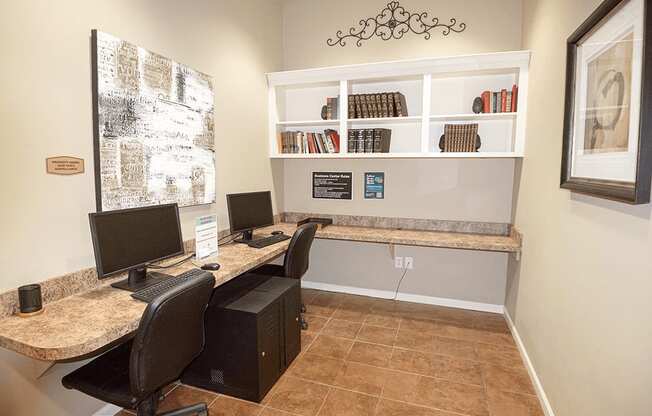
(332, 185)
(607, 150)
(153, 128)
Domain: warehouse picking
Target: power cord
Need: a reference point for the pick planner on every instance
(233, 235)
(399, 283)
(155, 266)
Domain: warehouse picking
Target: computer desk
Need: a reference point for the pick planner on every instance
(89, 323)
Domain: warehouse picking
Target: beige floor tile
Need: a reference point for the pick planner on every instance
(502, 403)
(508, 379)
(319, 310)
(393, 408)
(454, 347)
(435, 365)
(330, 346)
(361, 378)
(469, 334)
(342, 329)
(352, 314)
(183, 396)
(414, 362)
(386, 320)
(316, 368)
(499, 355)
(377, 335)
(414, 340)
(227, 406)
(347, 403)
(452, 397)
(327, 299)
(427, 342)
(371, 354)
(459, 370)
(307, 337)
(297, 396)
(315, 323)
(401, 386)
(420, 325)
(308, 294)
(274, 412)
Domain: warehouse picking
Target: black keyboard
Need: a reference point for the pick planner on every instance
(268, 241)
(151, 292)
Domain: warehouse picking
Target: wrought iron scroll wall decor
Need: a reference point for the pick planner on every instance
(392, 23)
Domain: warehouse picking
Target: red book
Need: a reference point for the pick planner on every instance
(335, 136)
(486, 102)
(503, 101)
(514, 98)
(311, 143)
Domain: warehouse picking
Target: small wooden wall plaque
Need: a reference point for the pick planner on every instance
(64, 165)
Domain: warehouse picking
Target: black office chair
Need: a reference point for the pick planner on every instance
(296, 261)
(169, 337)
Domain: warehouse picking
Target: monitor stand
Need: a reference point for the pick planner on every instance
(247, 236)
(139, 279)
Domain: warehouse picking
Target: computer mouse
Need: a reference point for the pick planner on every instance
(277, 232)
(211, 266)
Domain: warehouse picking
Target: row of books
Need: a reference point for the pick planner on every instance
(369, 140)
(307, 142)
(502, 101)
(378, 105)
(460, 138)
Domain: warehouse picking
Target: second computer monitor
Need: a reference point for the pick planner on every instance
(248, 211)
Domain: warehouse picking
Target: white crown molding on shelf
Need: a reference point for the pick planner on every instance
(411, 67)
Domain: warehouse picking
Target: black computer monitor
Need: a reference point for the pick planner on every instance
(131, 239)
(248, 211)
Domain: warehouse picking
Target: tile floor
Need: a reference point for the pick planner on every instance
(372, 357)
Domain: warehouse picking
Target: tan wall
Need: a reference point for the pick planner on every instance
(581, 294)
(45, 110)
(492, 25)
(471, 190)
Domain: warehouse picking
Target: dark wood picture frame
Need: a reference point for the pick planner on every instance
(637, 192)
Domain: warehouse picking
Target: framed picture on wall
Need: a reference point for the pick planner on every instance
(608, 108)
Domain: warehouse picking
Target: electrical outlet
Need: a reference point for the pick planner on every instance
(398, 262)
(409, 263)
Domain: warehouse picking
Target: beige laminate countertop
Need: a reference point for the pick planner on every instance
(84, 323)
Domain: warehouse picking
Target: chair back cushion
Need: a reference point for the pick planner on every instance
(170, 335)
(298, 254)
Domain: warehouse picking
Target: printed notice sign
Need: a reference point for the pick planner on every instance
(64, 165)
(374, 185)
(332, 185)
(205, 236)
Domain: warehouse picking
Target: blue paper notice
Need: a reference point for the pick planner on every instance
(374, 185)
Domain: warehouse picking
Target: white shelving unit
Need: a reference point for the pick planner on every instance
(438, 91)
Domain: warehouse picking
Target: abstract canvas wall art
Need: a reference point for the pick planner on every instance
(153, 128)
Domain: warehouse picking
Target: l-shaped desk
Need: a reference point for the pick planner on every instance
(88, 323)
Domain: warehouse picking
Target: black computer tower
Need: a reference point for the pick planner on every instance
(252, 335)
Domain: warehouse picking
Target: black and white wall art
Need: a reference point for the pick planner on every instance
(153, 128)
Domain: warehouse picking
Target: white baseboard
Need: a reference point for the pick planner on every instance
(407, 297)
(108, 410)
(538, 387)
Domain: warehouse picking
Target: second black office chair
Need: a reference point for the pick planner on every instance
(169, 337)
(296, 261)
